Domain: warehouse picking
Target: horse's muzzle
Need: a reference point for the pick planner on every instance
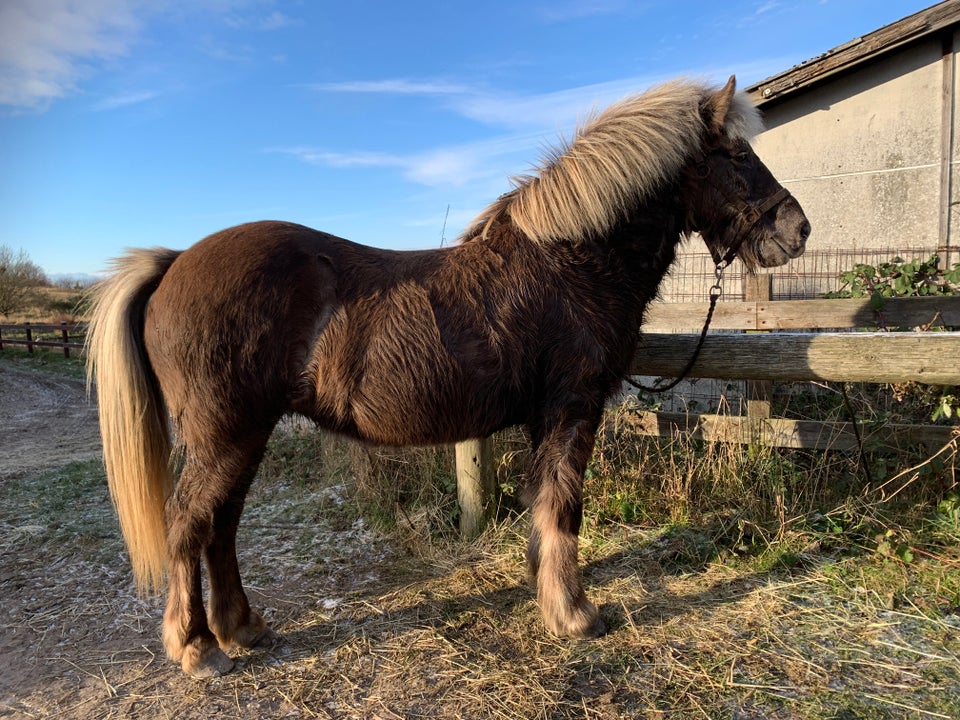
(790, 232)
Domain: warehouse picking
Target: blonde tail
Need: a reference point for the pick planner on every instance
(133, 418)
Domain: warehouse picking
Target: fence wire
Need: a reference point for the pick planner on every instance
(807, 277)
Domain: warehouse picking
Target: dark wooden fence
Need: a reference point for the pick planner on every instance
(66, 336)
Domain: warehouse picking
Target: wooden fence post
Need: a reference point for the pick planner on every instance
(475, 485)
(29, 337)
(66, 338)
(758, 288)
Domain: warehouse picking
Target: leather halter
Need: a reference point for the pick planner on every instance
(748, 216)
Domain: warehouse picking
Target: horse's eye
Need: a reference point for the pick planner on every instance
(741, 156)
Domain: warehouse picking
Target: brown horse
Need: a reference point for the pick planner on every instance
(531, 319)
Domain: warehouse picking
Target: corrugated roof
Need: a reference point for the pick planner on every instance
(940, 17)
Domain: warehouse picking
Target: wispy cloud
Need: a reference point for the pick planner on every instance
(431, 168)
(49, 47)
(763, 11)
(767, 7)
(525, 124)
(578, 9)
(319, 156)
(396, 86)
(46, 44)
(276, 21)
(119, 101)
(546, 111)
(557, 111)
(242, 18)
(227, 52)
(531, 122)
(446, 166)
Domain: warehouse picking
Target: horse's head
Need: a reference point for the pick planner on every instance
(734, 201)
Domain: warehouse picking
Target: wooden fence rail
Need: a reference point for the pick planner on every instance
(770, 347)
(44, 335)
(808, 315)
(927, 357)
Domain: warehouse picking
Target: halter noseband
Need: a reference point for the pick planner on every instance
(748, 216)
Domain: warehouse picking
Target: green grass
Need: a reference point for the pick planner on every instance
(52, 362)
(65, 509)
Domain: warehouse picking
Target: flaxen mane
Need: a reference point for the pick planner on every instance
(616, 159)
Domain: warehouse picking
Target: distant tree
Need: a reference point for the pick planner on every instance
(19, 277)
(79, 281)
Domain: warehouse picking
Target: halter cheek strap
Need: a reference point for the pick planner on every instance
(748, 216)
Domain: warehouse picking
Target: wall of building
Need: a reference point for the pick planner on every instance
(862, 152)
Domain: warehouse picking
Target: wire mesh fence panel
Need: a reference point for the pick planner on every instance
(809, 276)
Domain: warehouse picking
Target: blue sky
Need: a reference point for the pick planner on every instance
(128, 123)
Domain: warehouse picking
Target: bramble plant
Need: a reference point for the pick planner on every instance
(900, 278)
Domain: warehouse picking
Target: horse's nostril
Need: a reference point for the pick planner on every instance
(805, 230)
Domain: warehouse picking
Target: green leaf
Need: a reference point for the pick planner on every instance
(905, 553)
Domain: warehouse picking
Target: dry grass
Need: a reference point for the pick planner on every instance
(50, 305)
(724, 599)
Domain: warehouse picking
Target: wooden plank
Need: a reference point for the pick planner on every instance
(43, 327)
(475, 484)
(42, 343)
(856, 313)
(780, 432)
(671, 317)
(930, 357)
(759, 392)
(42, 335)
(941, 310)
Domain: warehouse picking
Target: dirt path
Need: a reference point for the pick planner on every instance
(45, 421)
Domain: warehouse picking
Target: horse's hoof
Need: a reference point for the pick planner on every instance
(598, 628)
(587, 631)
(254, 636)
(583, 622)
(211, 663)
(266, 640)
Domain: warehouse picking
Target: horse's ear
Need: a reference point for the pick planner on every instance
(719, 105)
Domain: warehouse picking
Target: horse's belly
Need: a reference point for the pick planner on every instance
(420, 413)
(400, 409)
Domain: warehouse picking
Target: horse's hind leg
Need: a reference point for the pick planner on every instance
(232, 621)
(555, 496)
(202, 517)
(189, 518)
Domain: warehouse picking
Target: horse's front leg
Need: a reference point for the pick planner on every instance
(555, 497)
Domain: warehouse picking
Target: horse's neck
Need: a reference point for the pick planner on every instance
(645, 243)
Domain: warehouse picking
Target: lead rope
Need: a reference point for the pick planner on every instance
(715, 292)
